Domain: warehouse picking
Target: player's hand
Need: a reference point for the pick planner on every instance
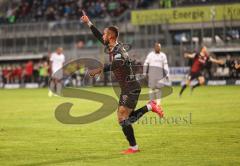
(84, 18)
(185, 55)
(94, 72)
(221, 62)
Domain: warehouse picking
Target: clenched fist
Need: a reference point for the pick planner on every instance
(84, 18)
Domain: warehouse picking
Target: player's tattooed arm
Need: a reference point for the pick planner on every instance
(94, 30)
(105, 68)
(220, 62)
(187, 55)
(94, 72)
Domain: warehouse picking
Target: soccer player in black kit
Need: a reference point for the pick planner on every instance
(130, 87)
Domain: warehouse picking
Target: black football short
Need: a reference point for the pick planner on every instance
(129, 99)
(193, 76)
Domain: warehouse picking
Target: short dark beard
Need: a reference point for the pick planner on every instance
(106, 43)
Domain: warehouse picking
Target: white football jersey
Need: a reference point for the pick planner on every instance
(57, 61)
(157, 61)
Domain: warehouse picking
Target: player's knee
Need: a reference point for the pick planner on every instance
(124, 122)
(201, 81)
(122, 114)
(122, 117)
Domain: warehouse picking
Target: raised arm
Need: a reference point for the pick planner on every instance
(220, 62)
(191, 56)
(94, 30)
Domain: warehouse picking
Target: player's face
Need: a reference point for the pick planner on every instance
(204, 51)
(105, 36)
(59, 51)
(203, 54)
(157, 48)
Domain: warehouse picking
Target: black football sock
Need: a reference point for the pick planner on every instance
(128, 132)
(135, 115)
(196, 85)
(183, 88)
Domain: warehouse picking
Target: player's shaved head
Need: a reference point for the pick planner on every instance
(59, 49)
(113, 30)
(110, 34)
(204, 51)
(157, 44)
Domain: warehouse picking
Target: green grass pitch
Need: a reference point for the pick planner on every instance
(207, 131)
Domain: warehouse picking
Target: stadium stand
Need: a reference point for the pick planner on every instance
(52, 10)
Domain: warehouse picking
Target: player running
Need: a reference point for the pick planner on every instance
(158, 72)
(200, 60)
(130, 88)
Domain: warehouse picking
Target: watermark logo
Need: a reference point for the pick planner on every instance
(166, 120)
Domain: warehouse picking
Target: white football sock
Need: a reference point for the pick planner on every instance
(149, 107)
(151, 94)
(134, 147)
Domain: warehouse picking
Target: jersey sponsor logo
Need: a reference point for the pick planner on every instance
(117, 56)
(124, 99)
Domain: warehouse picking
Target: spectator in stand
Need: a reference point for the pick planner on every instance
(98, 8)
(67, 10)
(82, 72)
(52, 10)
(4, 74)
(8, 74)
(43, 73)
(11, 14)
(144, 3)
(28, 73)
(11, 74)
(36, 78)
(14, 74)
(50, 14)
(166, 3)
(112, 6)
(2, 20)
(19, 73)
(23, 10)
(1, 76)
